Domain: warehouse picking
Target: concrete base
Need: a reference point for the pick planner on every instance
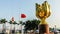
(43, 29)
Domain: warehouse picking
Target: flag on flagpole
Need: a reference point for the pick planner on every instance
(22, 16)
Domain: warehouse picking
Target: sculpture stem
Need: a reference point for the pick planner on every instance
(43, 21)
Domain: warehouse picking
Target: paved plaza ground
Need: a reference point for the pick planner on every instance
(24, 33)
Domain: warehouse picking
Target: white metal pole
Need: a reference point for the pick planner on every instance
(22, 29)
(22, 26)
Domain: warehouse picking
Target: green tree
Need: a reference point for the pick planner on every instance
(3, 21)
(22, 23)
(51, 29)
(12, 23)
(35, 24)
(28, 25)
(32, 24)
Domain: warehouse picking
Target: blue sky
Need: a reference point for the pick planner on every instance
(9, 8)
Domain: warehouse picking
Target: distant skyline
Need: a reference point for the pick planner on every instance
(13, 8)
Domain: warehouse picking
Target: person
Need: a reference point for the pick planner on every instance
(55, 30)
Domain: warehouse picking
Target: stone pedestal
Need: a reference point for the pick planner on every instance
(43, 29)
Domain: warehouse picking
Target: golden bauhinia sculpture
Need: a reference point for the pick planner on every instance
(43, 11)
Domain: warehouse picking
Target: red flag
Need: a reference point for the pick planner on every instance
(23, 16)
(12, 19)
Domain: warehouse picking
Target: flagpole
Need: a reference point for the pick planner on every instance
(22, 17)
(21, 26)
